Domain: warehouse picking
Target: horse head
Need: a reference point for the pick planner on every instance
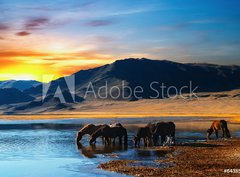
(209, 132)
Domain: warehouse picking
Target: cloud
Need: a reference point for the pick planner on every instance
(99, 23)
(204, 21)
(187, 24)
(3, 27)
(2, 38)
(174, 27)
(8, 63)
(23, 33)
(4, 53)
(36, 23)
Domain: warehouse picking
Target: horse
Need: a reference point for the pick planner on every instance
(110, 132)
(152, 127)
(164, 129)
(88, 129)
(217, 125)
(115, 125)
(145, 134)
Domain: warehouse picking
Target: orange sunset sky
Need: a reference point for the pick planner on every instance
(39, 38)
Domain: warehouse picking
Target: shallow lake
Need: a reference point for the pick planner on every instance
(47, 147)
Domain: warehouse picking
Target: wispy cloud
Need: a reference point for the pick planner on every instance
(23, 33)
(98, 23)
(203, 21)
(4, 27)
(131, 11)
(36, 23)
(174, 27)
(12, 53)
(8, 63)
(186, 24)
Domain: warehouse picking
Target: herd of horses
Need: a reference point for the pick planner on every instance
(150, 134)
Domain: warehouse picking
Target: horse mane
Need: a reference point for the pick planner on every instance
(96, 134)
(85, 127)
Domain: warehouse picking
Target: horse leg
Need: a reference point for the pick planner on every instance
(109, 141)
(162, 139)
(120, 140)
(149, 143)
(216, 133)
(150, 140)
(105, 141)
(173, 137)
(223, 132)
(144, 142)
(157, 140)
(227, 133)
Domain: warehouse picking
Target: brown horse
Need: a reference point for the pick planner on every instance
(152, 127)
(164, 129)
(110, 132)
(217, 125)
(88, 129)
(145, 134)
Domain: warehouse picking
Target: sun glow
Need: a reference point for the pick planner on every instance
(26, 72)
(57, 48)
(24, 77)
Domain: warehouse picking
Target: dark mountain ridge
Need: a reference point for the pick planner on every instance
(142, 72)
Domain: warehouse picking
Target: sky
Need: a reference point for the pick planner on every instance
(49, 39)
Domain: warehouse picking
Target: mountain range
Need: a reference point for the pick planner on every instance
(133, 73)
(19, 84)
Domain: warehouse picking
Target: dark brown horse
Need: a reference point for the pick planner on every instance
(88, 129)
(110, 132)
(152, 127)
(219, 125)
(145, 134)
(164, 129)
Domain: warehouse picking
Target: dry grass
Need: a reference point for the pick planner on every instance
(192, 159)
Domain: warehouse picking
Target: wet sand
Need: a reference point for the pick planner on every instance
(187, 159)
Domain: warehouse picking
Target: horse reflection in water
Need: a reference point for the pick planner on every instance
(92, 150)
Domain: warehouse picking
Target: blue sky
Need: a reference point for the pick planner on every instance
(95, 32)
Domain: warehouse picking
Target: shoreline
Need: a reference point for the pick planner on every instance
(233, 118)
(209, 158)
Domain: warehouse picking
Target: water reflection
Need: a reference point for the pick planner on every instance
(91, 150)
(49, 148)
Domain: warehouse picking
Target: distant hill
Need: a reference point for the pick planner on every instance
(142, 72)
(12, 96)
(133, 72)
(19, 84)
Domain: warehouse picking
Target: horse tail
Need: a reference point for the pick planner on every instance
(227, 133)
(125, 137)
(225, 126)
